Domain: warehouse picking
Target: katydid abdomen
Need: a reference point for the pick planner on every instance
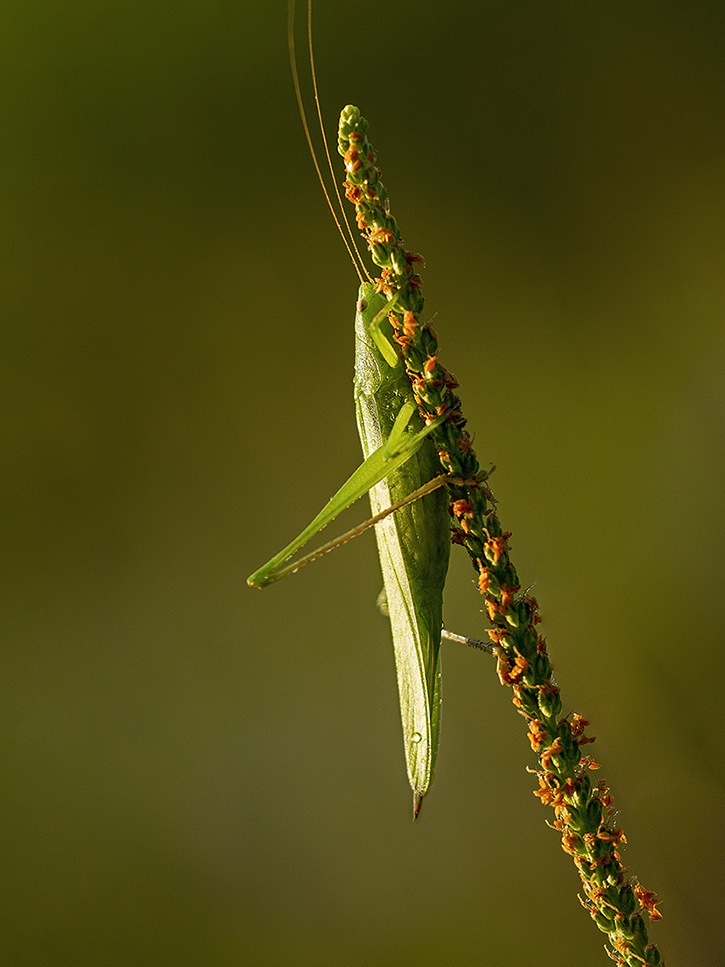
(413, 545)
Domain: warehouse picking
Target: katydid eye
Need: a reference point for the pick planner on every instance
(361, 305)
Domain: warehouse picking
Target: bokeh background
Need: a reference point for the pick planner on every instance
(195, 773)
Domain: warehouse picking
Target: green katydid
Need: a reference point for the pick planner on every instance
(413, 546)
(412, 531)
(402, 473)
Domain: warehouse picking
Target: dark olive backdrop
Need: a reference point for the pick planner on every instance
(199, 774)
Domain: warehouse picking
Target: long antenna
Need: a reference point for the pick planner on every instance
(350, 245)
(343, 210)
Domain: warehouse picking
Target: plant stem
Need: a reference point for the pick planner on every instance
(583, 810)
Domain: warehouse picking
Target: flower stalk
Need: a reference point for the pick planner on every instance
(583, 810)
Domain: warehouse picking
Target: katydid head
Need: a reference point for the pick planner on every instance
(377, 323)
(368, 298)
(376, 358)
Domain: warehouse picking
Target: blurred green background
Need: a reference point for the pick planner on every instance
(198, 774)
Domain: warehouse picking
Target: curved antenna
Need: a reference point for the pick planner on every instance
(352, 249)
(343, 210)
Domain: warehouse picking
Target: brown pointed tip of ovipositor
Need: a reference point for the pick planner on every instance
(417, 803)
